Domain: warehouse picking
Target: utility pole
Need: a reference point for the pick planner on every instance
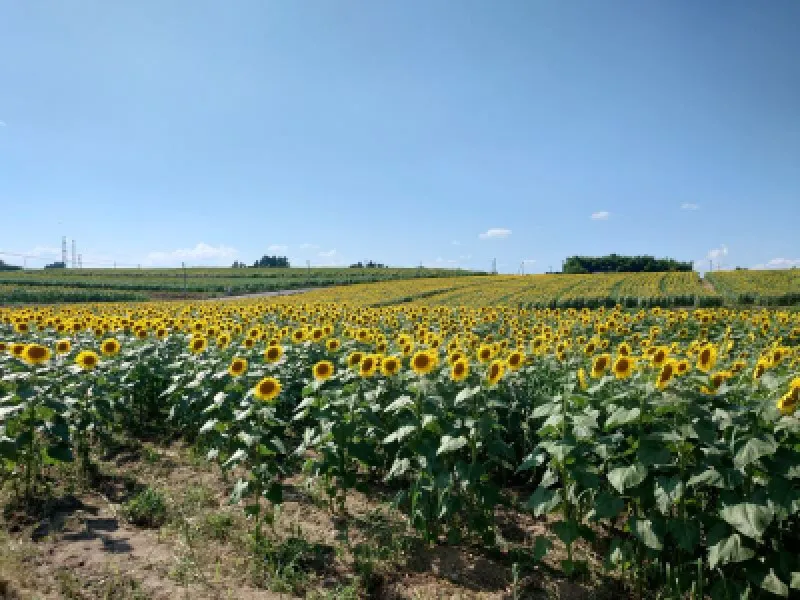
(308, 264)
(74, 258)
(494, 266)
(64, 250)
(80, 261)
(185, 283)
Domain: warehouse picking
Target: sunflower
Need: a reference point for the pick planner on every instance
(87, 359)
(355, 358)
(787, 403)
(582, 379)
(623, 367)
(455, 356)
(162, 332)
(223, 339)
(237, 367)
(22, 327)
(423, 362)
(141, 333)
(17, 350)
(3, 347)
(682, 367)
(36, 354)
(267, 389)
(390, 366)
(368, 365)
(322, 370)
(589, 348)
(707, 358)
(659, 356)
(273, 354)
(600, 365)
(249, 342)
(485, 353)
(459, 369)
(624, 349)
(333, 344)
(666, 375)
(299, 335)
(497, 369)
(718, 378)
(198, 344)
(515, 360)
(63, 346)
(761, 367)
(110, 346)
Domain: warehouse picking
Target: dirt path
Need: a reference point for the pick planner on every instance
(267, 294)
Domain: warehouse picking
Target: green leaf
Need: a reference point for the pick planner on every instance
(208, 425)
(625, 477)
(399, 404)
(652, 453)
(543, 501)
(710, 477)
(607, 506)
(400, 434)
(534, 459)
(541, 547)
(622, 416)
(667, 492)
(754, 449)
(567, 531)
(451, 444)
(238, 489)
(400, 466)
(795, 585)
(772, 583)
(728, 550)
(750, 519)
(686, 533)
(648, 532)
(60, 452)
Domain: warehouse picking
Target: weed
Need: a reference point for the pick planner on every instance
(217, 526)
(147, 509)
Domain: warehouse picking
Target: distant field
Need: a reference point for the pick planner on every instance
(397, 286)
(764, 288)
(103, 285)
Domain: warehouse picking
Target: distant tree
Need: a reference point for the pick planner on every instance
(369, 265)
(6, 267)
(614, 263)
(272, 262)
(56, 265)
(238, 265)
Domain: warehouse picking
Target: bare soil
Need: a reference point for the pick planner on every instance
(82, 547)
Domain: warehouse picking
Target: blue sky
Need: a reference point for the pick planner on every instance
(442, 132)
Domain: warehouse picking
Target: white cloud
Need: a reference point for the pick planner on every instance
(202, 253)
(455, 243)
(307, 246)
(690, 206)
(328, 254)
(601, 215)
(780, 263)
(277, 248)
(495, 234)
(717, 253)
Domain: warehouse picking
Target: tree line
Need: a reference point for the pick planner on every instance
(614, 263)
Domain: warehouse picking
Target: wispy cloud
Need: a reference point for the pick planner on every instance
(201, 253)
(495, 233)
(276, 248)
(779, 263)
(690, 206)
(455, 243)
(717, 253)
(328, 253)
(601, 215)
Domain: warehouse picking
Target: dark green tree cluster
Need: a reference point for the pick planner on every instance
(6, 267)
(56, 265)
(271, 262)
(368, 265)
(614, 263)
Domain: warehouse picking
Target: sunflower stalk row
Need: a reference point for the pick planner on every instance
(667, 438)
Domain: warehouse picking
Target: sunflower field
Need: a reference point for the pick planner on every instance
(666, 440)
